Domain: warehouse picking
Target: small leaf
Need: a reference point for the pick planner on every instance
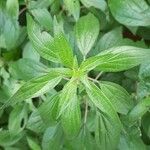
(86, 32)
(139, 110)
(117, 95)
(73, 7)
(33, 144)
(117, 59)
(130, 12)
(71, 118)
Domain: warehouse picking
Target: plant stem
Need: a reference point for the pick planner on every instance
(86, 112)
(22, 10)
(94, 80)
(97, 77)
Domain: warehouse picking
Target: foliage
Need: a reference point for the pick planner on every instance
(74, 74)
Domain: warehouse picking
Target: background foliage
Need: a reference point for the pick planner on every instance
(74, 74)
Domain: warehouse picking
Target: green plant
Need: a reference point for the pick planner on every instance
(62, 90)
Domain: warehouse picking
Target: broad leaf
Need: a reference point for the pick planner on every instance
(33, 144)
(118, 96)
(117, 59)
(71, 117)
(86, 32)
(73, 7)
(108, 113)
(131, 12)
(34, 87)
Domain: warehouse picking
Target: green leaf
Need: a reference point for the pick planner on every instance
(71, 117)
(116, 59)
(27, 69)
(86, 32)
(53, 138)
(8, 138)
(108, 112)
(33, 144)
(67, 95)
(48, 110)
(34, 88)
(118, 96)
(139, 110)
(43, 17)
(100, 4)
(41, 41)
(73, 8)
(18, 119)
(130, 12)
(63, 50)
(12, 7)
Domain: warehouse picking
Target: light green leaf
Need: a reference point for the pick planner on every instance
(73, 6)
(118, 96)
(108, 113)
(34, 88)
(33, 144)
(27, 69)
(63, 50)
(71, 118)
(117, 59)
(12, 7)
(48, 110)
(52, 138)
(139, 110)
(45, 21)
(18, 119)
(41, 41)
(8, 138)
(100, 4)
(86, 32)
(67, 95)
(130, 12)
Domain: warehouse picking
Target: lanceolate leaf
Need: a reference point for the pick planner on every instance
(86, 32)
(71, 118)
(41, 40)
(139, 110)
(117, 59)
(34, 87)
(118, 96)
(131, 12)
(107, 110)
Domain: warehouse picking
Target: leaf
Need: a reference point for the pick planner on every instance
(34, 88)
(106, 109)
(41, 40)
(67, 95)
(63, 49)
(48, 110)
(116, 59)
(100, 4)
(71, 118)
(86, 32)
(130, 12)
(27, 69)
(12, 7)
(117, 95)
(45, 21)
(73, 7)
(52, 138)
(8, 138)
(33, 144)
(139, 110)
(18, 119)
